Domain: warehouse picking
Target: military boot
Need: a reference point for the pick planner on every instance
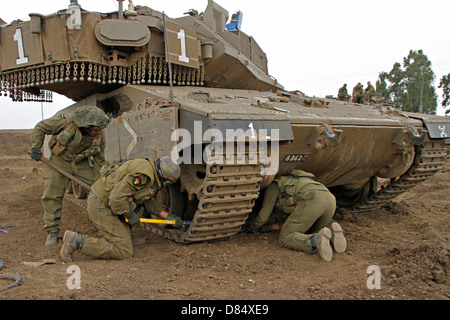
(71, 242)
(337, 238)
(321, 241)
(52, 239)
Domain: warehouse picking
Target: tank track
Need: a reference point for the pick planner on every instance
(79, 202)
(228, 195)
(429, 159)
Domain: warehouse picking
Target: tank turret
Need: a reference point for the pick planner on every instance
(78, 53)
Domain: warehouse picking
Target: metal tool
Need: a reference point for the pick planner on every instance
(160, 221)
(64, 173)
(7, 226)
(157, 221)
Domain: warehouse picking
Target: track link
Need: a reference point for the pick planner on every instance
(79, 202)
(228, 195)
(429, 159)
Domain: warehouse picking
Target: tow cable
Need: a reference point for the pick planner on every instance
(9, 276)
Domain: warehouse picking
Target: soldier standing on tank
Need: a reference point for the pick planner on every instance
(343, 94)
(77, 147)
(358, 93)
(369, 92)
(310, 206)
(113, 198)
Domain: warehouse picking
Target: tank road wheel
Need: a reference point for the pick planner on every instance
(192, 179)
(78, 191)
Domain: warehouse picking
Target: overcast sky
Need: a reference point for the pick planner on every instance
(312, 46)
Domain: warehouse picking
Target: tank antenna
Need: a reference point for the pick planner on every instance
(168, 58)
(120, 8)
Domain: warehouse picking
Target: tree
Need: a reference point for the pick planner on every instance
(391, 86)
(445, 85)
(409, 86)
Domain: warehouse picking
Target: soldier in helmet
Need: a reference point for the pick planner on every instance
(310, 206)
(111, 206)
(77, 146)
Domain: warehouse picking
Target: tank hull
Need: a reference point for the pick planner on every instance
(346, 146)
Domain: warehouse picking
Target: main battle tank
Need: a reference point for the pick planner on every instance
(197, 88)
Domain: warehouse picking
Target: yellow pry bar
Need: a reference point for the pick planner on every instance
(156, 221)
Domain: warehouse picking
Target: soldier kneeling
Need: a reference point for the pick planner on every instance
(311, 206)
(109, 205)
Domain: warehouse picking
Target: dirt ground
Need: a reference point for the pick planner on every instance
(409, 241)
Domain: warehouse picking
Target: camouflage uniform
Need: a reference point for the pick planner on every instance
(357, 94)
(309, 203)
(343, 94)
(74, 152)
(369, 92)
(111, 200)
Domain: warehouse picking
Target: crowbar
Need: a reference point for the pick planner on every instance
(64, 173)
(160, 221)
(156, 221)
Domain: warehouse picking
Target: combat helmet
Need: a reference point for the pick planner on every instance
(90, 117)
(168, 170)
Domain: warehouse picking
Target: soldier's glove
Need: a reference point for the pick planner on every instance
(132, 218)
(178, 222)
(35, 154)
(92, 151)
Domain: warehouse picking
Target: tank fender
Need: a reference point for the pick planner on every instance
(324, 136)
(438, 127)
(409, 135)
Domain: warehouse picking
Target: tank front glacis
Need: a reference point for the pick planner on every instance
(216, 110)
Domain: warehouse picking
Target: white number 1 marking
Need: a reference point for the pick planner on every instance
(252, 130)
(182, 36)
(18, 37)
